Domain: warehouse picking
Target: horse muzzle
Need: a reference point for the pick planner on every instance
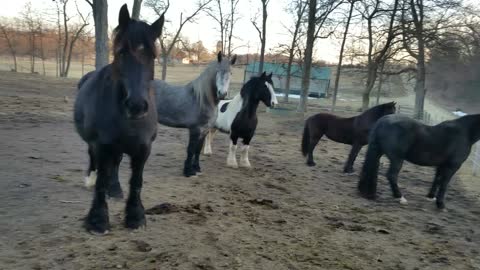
(136, 110)
(221, 95)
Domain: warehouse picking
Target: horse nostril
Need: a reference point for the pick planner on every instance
(145, 106)
(136, 109)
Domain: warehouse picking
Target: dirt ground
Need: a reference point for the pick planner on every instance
(279, 215)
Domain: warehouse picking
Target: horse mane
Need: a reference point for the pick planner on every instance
(379, 109)
(202, 85)
(135, 34)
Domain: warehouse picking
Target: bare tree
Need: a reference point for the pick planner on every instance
(340, 57)
(161, 7)
(68, 34)
(10, 35)
(298, 8)
(262, 34)
(375, 57)
(419, 30)
(31, 26)
(137, 5)
(100, 18)
(318, 16)
(312, 11)
(218, 14)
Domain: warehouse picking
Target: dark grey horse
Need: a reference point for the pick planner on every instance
(194, 106)
(115, 114)
(444, 146)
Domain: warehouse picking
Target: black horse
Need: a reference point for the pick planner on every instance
(444, 146)
(352, 131)
(115, 113)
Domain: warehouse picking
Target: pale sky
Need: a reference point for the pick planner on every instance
(204, 28)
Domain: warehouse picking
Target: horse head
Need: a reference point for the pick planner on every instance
(133, 60)
(224, 74)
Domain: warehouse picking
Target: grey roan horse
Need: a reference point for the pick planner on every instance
(194, 106)
(115, 114)
(444, 146)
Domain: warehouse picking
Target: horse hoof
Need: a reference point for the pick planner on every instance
(311, 164)
(135, 218)
(90, 180)
(232, 164)
(403, 200)
(431, 199)
(348, 171)
(115, 194)
(97, 222)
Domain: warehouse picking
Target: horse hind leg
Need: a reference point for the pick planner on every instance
(433, 190)
(193, 140)
(392, 176)
(314, 139)
(207, 146)
(91, 175)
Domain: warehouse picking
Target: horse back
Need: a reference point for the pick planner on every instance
(336, 128)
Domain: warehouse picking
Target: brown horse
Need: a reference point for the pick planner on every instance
(353, 131)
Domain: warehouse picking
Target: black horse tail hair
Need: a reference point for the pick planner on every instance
(305, 139)
(369, 175)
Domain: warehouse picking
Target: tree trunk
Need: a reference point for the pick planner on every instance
(420, 90)
(340, 57)
(32, 56)
(65, 42)
(371, 78)
(100, 17)
(264, 35)
(10, 47)
(380, 82)
(137, 4)
(289, 71)
(164, 65)
(302, 107)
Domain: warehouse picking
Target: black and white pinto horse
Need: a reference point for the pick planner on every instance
(115, 113)
(239, 117)
(194, 106)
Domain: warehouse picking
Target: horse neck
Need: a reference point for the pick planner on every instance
(250, 105)
(205, 86)
(473, 124)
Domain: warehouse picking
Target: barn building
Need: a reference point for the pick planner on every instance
(319, 78)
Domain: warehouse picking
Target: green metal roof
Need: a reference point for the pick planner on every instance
(280, 69)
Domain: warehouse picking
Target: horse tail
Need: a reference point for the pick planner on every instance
(306, 139)
(369, 175)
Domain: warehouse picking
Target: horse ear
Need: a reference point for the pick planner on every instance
(123, 17)
(270, 75)
(263, 75)
(219, 56)
(234, 59)
(157, 26)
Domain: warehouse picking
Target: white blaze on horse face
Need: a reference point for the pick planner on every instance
(272, 94)
(223, 83)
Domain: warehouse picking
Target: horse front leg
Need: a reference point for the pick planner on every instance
(356, 147)
(392, 176)
(232, 152)
(114, 189)
(446, 176)
(244, 162)
(134, 212)
(194, 137)
(196, 159)
(207, 149)
(97, 220)
(90, 178)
